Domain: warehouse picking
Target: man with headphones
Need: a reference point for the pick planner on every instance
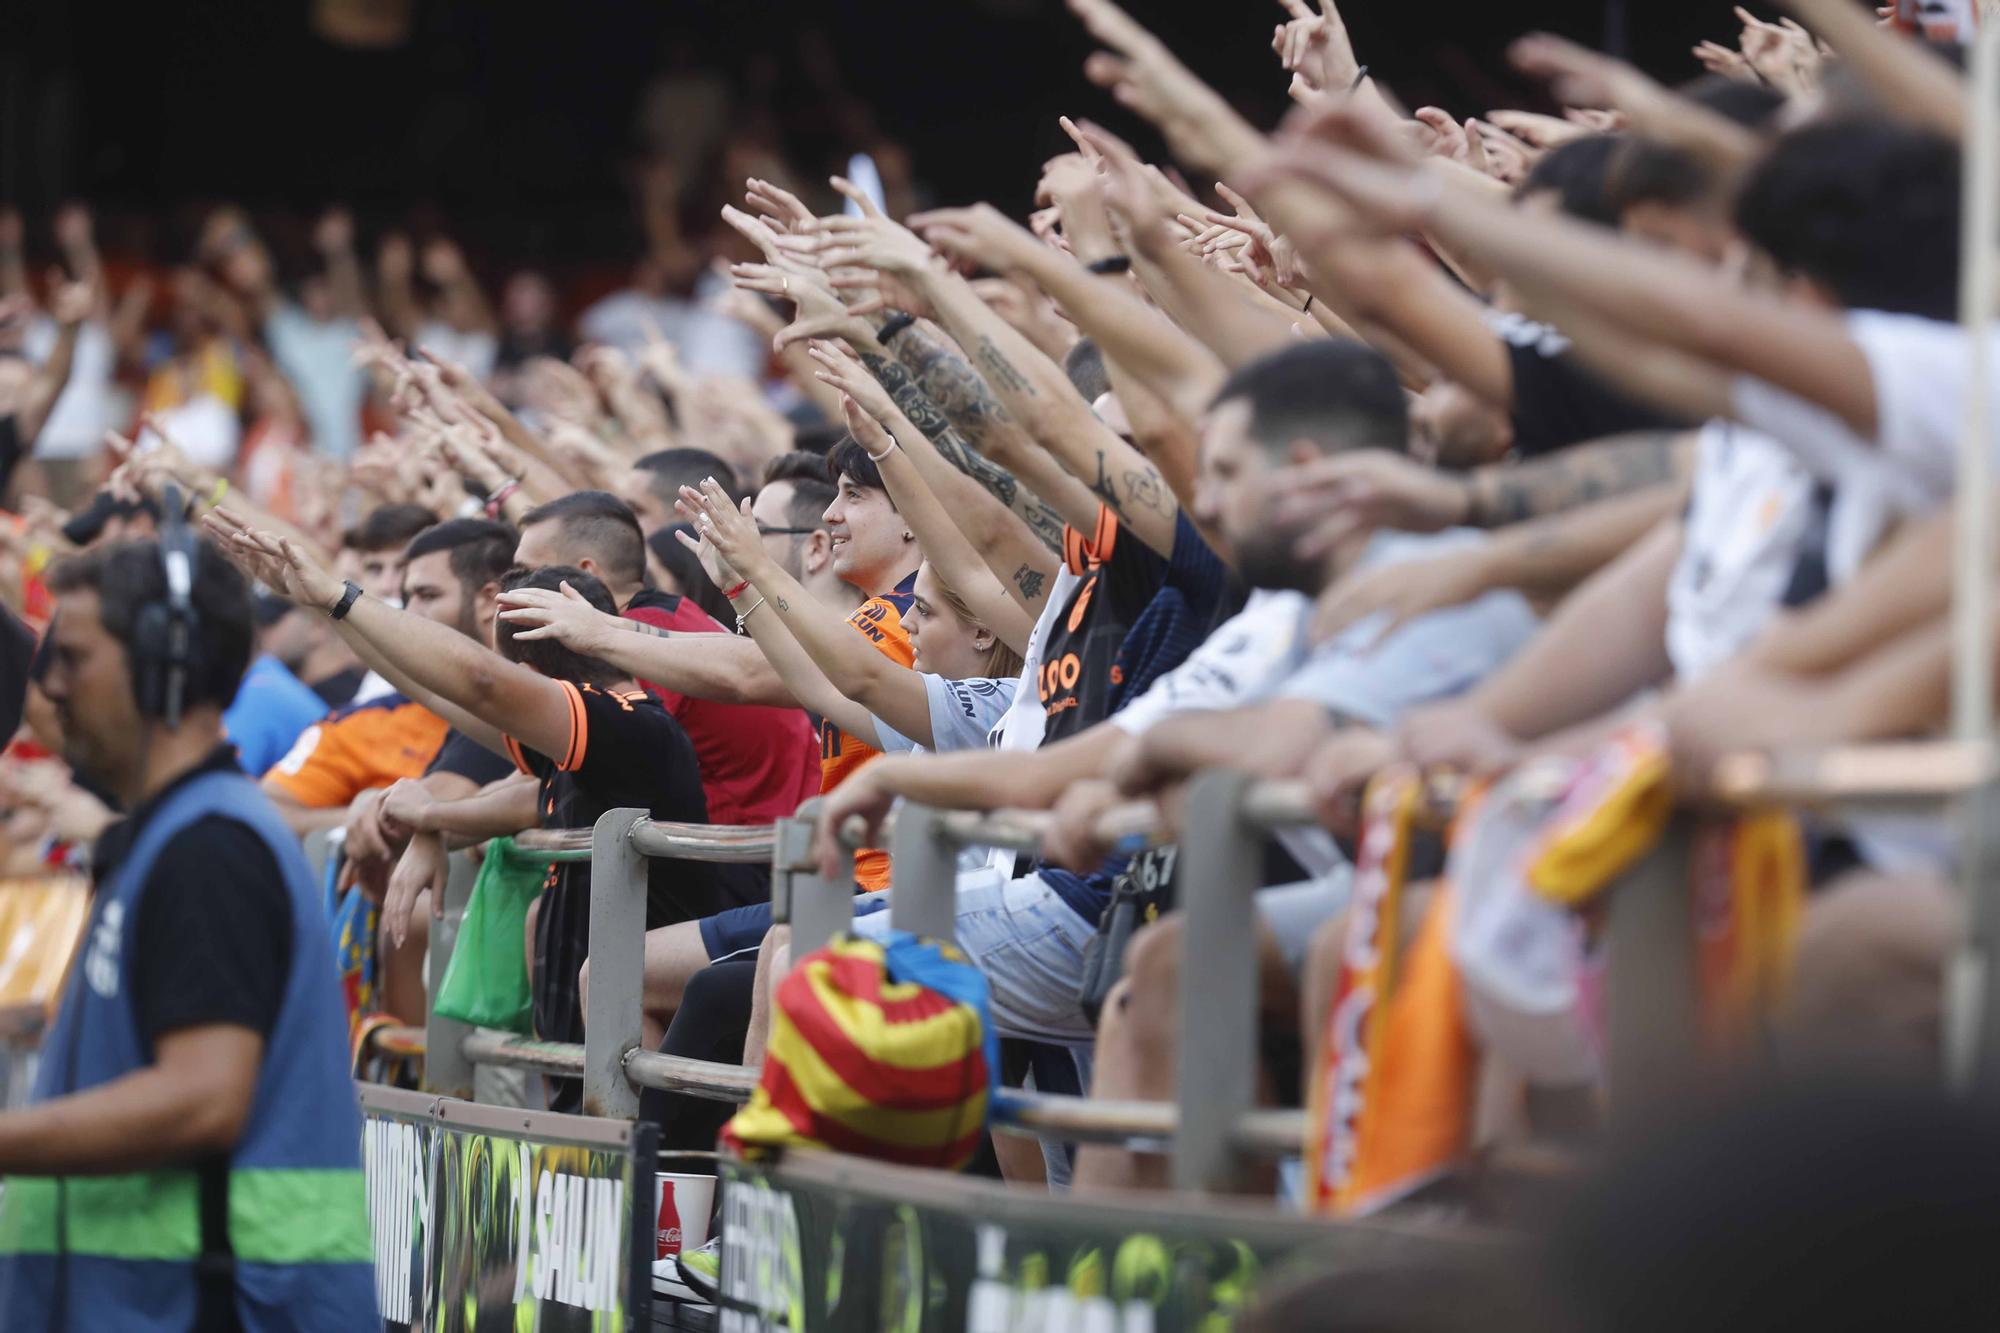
(191, 1157)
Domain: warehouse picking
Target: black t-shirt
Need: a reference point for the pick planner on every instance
(214, 929)
(1558, 403)
(624, 750)
(1120, 576)
(340, 688)
(213, 945)
(467, 758)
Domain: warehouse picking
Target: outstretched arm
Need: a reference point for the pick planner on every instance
(727, 668)
(1033, 389)
(497, 696)
(1907, 79)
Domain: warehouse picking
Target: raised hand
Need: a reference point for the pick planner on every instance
(857, 196)
(1448, 138)
(719, 570)
(818, 312)
(1263, 250)
(755, 230)
(537, 613)
(748, 309)
(1142, 74)
(70, 303)
(1504, 157)
(846, 374)
(866, 430)
(1782, 54)
(560, 389)
(981, 235)
(1579, 77)
(1144, 206)
(865, 242)
(1538, 131)
(731, 533)
(1724, 60)
(779, 207)
(1315, 48)
(279, 563)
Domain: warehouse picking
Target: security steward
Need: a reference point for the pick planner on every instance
(191, 1157)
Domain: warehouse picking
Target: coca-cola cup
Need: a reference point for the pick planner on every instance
(684, 1206)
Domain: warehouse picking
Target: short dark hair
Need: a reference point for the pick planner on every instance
(1645, 172)
(848, 459)
(1751, 105)
(818, 439)
(1337, 392)
(670, 469)
(127, 577)
(1868, 208)
(482, 551)
(1576, 172)
(389, 527)
(549, 656)
(603, 523)
(1084, 364)
(812, 493)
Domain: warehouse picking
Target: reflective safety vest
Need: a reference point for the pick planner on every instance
(121, 1252)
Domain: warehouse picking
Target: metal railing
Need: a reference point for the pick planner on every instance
(1213, 1132)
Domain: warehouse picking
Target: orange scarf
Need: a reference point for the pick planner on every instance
(1393, 1082)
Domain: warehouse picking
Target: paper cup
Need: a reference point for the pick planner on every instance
(685, 1202)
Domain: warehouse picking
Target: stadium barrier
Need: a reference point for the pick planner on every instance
(1214, 1129)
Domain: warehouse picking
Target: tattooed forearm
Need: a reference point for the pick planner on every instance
(781, 604)
(1576, 476)
(952, 446)
(952, 384)
(1029, 580)
(1144, 489)
(638, 627)
(994, 363)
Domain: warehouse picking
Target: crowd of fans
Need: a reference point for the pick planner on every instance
(1598, 443)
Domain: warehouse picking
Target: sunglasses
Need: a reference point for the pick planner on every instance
(763, 531)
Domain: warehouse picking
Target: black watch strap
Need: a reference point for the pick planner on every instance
(894, 325)
(339, 610)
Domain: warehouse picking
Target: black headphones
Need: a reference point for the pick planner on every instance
(166, 639)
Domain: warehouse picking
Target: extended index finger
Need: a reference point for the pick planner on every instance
(1296, 8)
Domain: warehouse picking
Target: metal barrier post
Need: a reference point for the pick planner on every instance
(923, 870)
(611, 1020)
(1652, 1005)
(447, 1071)
(815, 909)
(1218, 1059)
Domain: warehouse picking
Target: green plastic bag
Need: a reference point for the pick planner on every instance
(486, 981)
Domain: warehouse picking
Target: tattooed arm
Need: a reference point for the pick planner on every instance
(997, 567)
(1516, 492)
(1042, 519)
(1036, 393)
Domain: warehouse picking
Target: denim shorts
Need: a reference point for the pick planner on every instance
(739, 932)
(1029, 943)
